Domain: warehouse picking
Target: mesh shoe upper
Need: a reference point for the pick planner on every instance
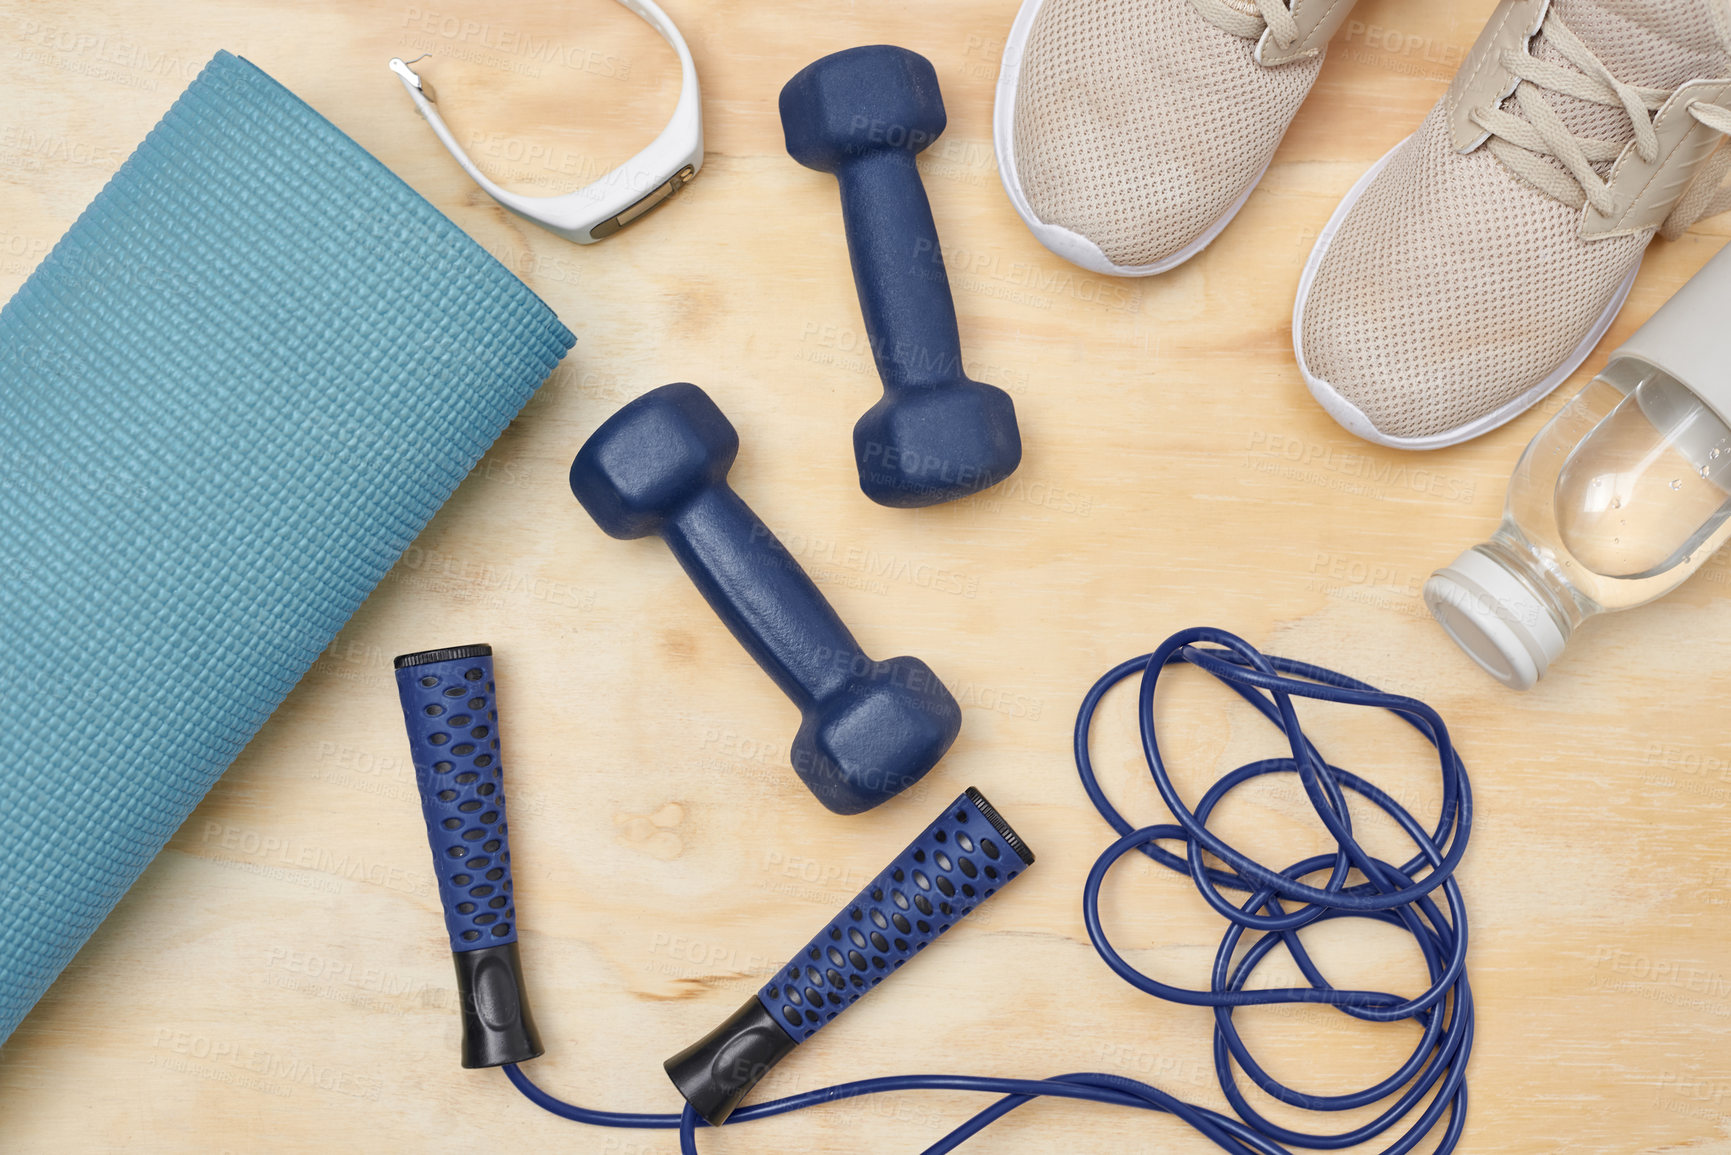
(1138, 123)
(1453, 287)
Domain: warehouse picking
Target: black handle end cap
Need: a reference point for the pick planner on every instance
(497, 1025)
(718, 1071)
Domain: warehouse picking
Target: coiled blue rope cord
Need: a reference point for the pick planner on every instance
(1402, 896)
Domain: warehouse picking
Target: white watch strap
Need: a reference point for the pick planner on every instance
(600, 209)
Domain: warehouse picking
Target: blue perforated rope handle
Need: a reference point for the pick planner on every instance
(955, 864)
(452, 716)
(449, 710)
(959, 861)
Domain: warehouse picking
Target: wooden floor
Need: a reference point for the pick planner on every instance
(278, 981)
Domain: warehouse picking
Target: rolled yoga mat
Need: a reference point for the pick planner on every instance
(229, 398)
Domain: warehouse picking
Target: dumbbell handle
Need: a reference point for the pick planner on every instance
(963, 858)
(898, 270)
(763, 594)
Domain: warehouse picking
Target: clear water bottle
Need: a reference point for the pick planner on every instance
(1622, 496)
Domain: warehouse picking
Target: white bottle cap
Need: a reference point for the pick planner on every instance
(1496, 618)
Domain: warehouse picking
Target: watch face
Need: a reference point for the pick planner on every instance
(652, 198)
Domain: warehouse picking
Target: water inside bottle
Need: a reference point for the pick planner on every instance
(1648, 485)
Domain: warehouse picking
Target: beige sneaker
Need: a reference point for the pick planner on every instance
(1130, 132)
(1475, 267)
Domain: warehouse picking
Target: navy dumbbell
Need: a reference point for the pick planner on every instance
(450, 710)
(869, 729)
(959, 861)
(935, 435)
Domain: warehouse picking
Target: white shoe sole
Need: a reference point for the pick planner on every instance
(1353, 419)
(1071, 245)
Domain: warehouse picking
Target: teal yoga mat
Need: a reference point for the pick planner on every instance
(229, 398)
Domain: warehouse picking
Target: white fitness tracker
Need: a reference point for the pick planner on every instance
(599, 210)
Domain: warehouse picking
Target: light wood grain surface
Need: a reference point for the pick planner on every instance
(279, 979)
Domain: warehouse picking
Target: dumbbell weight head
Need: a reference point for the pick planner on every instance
(874, 737)
(879, 98)
(651, 458)
(921, 447)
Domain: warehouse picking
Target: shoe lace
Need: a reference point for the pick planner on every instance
(1273, 15)
(1528, 141)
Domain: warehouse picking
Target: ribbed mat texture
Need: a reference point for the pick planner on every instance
(229, 398)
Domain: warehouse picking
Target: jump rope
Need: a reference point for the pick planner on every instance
(963, 858)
